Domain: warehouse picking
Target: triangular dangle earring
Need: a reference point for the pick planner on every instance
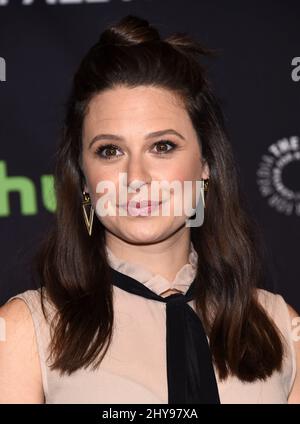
(88, 212)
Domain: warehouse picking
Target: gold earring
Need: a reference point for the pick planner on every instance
(204, 189)
(88, 212)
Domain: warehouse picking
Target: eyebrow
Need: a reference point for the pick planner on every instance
(115, 137)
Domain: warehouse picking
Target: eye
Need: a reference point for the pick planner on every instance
(164, 144)
(107, 151)
(110, 148)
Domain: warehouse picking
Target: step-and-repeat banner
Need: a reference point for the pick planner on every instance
(257, 78)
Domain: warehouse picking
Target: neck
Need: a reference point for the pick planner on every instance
(164, 257)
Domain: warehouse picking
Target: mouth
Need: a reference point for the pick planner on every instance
(141, 206)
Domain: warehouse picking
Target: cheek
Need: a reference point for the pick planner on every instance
(95, 173)
(188, 170)
(187, 173)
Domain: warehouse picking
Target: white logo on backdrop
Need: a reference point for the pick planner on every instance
(57, 2)
(280, 156)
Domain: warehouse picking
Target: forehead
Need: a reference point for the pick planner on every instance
(133, 107)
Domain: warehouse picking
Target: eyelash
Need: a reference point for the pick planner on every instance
(100, 149)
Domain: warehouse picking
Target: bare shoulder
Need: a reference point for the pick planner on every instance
(294, 396)
(20, 377)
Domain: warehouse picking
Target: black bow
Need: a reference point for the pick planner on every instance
(191, 377)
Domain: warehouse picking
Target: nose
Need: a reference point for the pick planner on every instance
(138, 173)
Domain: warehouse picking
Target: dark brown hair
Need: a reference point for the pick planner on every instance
(73, 267)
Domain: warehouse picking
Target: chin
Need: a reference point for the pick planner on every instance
(147, 234)
(142, 237)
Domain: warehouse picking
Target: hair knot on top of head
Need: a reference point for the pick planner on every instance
(131, 30)
(134, 31)
(184, 43)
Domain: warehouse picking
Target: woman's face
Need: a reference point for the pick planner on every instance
(127, 116)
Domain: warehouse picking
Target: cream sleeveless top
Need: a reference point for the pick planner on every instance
(134, 369)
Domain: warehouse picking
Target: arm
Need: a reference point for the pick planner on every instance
(20, 374)
(294, 396)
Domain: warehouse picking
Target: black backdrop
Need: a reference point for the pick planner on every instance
(257, 78)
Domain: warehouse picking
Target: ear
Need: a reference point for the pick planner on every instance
(83, 183)
(85, 188)
(205, 170)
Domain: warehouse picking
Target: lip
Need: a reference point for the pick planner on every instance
(149, 206)
(143, 204)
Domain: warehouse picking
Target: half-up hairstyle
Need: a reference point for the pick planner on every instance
(72, 266)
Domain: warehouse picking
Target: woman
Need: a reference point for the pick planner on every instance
(137, 307)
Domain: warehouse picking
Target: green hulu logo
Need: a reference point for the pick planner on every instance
(27, 192)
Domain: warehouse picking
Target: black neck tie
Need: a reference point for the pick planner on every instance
(191, 377)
